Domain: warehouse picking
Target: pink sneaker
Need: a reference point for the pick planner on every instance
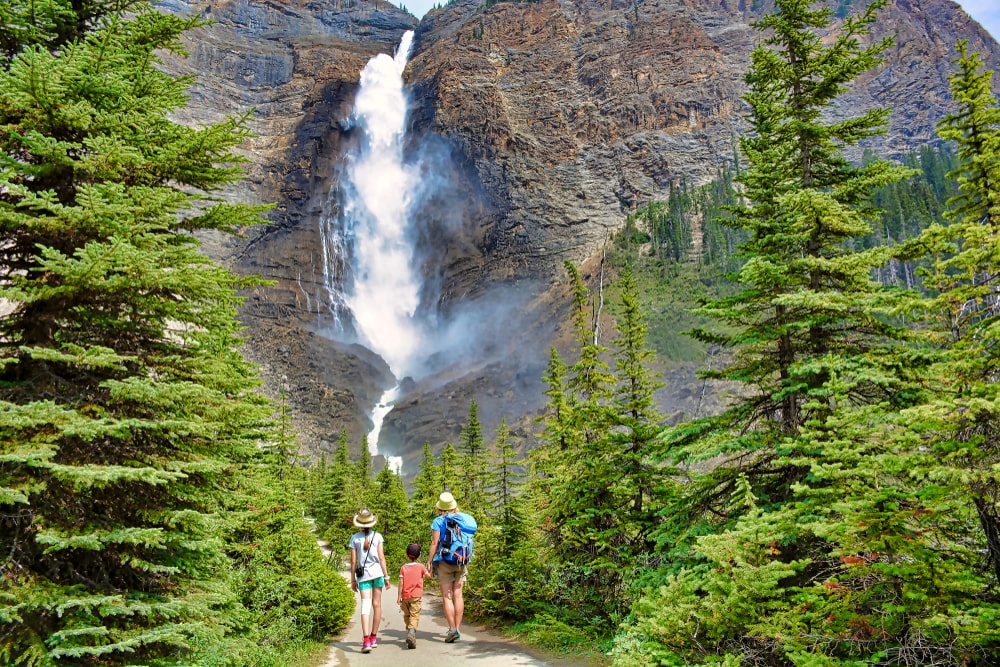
(367, 645)
(374, 641)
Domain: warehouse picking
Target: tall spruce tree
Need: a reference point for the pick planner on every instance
(450, 472)
(332, 502)
(814, 545)
(510, 576)
(393, 509)
(472, 447)
(504, 486)
(637, 424)
(597, 468)
(426, 486)
(808, 304)
(123, 398)
(958, 428)
(575, 456)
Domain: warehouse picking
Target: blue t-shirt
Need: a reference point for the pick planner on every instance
(438, 524)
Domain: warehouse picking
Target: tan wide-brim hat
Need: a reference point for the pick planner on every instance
(446, 502)
(365, 519)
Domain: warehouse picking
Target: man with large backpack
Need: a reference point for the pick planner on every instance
(451, 550)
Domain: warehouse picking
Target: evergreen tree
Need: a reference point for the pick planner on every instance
(284, 441)
(960, 422)
(814, 548)
(290, 593)
(427, 486)
(976, 130)
(807, 303)
(505, 483)
(332, 504)
(360, 483)
(509, 577)
(637, 426)
(392, 507)
(597, 466)
(316, 474)
(472, 446)
(123, 399)
(450, 472)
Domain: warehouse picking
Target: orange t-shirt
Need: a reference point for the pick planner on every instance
(411, 580)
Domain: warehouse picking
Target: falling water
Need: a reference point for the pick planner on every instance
(379, 288)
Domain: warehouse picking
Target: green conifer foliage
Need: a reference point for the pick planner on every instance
(509, 577)
(123, 398)
(472, 448)
(578, 420)
(394, 521)
(961, 422)
(808, 304)
(595, 474)
(450, 472)
(807, 541)
(637, 422)
(332, 506)
(975, 128)
(290, 592)
(505, 484)
(426, 486)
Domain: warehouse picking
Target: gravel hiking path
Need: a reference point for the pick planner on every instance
(476, 646)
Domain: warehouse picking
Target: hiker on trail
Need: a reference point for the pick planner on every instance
(369, 575)
(410, 592)
(451, 549)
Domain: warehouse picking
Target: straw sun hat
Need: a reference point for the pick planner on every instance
(446, 502)
(365, 519)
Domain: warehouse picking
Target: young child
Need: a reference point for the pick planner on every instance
(411, 591)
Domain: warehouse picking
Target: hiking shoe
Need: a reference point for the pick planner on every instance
(374, 641)
(366, 647)
(411, 639)
(452, 636)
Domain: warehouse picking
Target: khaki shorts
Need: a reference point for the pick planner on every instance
(447, 573)
(411, 612)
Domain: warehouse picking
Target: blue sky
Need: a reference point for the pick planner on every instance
(987, 12)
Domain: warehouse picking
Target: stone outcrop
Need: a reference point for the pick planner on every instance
(573, 112)
(553, 120)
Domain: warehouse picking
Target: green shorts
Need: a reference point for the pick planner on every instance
(371, 583)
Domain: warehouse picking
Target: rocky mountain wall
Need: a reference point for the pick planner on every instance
(574, 112)
(295, 63)
(550, 121)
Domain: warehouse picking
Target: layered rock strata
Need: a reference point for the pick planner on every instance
(552, 120)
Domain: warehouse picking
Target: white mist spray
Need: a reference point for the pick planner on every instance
(382, 287)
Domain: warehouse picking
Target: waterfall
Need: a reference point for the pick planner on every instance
(373, 287)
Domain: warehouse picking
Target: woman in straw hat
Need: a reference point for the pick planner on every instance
(369, 575)
(451, 577)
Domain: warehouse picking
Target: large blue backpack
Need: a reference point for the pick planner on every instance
(457, 540)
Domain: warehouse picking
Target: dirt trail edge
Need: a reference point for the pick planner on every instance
(476, 645)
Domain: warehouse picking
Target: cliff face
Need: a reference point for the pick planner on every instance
(552, 120)
(573, 112)
(295, 63)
